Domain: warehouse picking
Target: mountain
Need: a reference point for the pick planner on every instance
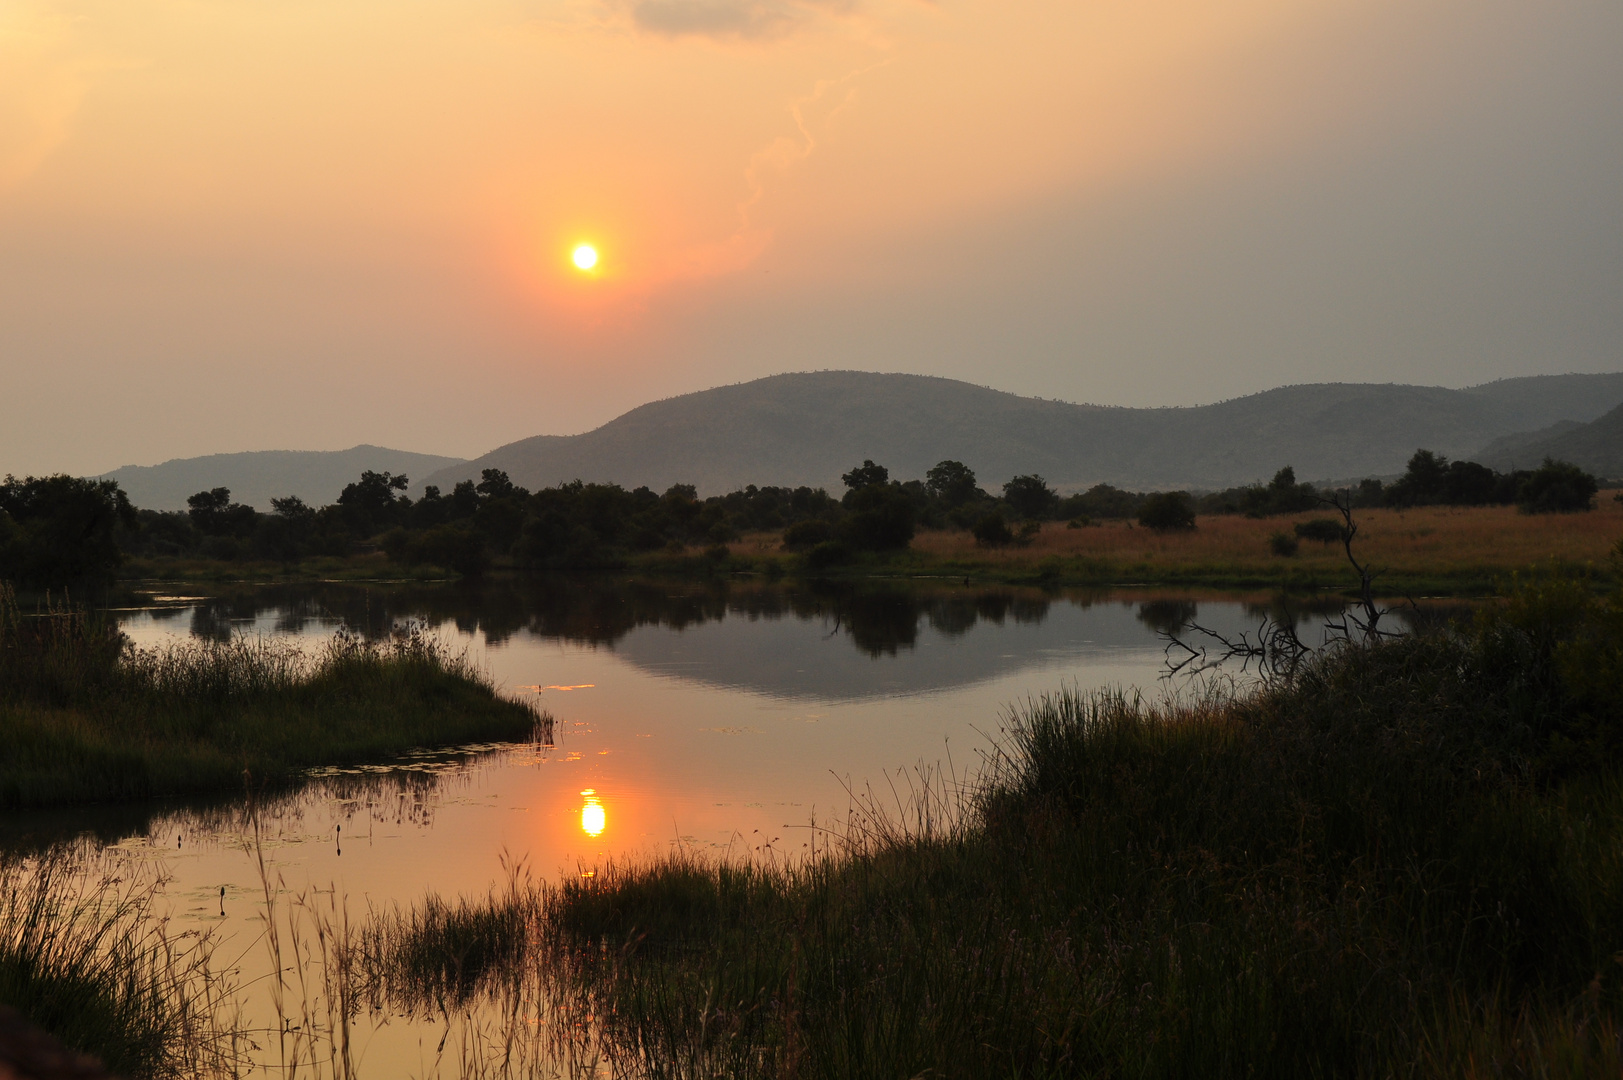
(1596, 446)
(316, 476)
(808, 428)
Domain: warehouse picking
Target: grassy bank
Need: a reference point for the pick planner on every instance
(84, 716)
(1405, 861)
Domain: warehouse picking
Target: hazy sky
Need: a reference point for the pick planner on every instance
(302, 224)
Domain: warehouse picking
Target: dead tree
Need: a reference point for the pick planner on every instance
(1274, 647)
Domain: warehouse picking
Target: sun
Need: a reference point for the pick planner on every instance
(585, 256)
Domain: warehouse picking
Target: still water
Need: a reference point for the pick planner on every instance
(728, 718)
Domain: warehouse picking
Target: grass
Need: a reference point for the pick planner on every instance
(84, 716)
(1406, 860)
(82, 955)
(1431, 550)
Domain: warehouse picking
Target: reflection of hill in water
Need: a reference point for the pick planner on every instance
(812, 658)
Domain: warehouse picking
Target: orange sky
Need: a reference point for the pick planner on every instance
(227, 226)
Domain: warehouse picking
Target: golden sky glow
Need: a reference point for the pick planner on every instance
(206, 203)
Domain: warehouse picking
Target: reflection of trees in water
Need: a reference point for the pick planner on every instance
(406, 793)
(878, 618)
(1167, 616)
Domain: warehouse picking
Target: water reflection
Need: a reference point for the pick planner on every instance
(799, 641)
(593, 819)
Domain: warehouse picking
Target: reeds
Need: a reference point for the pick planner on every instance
(83, 955)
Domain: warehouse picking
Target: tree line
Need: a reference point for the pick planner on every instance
(61, 529)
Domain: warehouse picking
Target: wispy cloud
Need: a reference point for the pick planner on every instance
(731, 19)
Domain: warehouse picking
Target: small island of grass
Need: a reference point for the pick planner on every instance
(86, 716)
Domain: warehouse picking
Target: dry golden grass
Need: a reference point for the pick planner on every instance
(1437, 546)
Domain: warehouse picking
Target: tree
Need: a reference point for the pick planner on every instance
(1030, 496)
(284, 533)
(214, 514)
(952, 482)
(880, 518)
(494, 484)
(1556, 487)
(865, 475)
(60, 530)
(370, 504)
(1167, 510)
(1424, 482)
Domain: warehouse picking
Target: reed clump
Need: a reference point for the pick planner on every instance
(87, 716)
(83, 957)
(1406, 859)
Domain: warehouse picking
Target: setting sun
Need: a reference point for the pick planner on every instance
(585, 256)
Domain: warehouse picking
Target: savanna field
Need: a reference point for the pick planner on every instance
(1424, 549)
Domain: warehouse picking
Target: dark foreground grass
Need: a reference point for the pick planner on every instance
(83, 958)
(84, 716)
(1405, 861)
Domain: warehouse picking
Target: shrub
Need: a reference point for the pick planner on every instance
(992, 530)
(828, 553)
(1324, 530)
(1167, 510)
(807, 534)
(1282, 544)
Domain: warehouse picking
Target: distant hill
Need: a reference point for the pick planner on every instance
(808, 428)
(316, 476)
(1596, 446)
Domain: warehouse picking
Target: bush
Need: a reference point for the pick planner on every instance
(1556, 487)
(828, 553)
(992, 531)
(1323, 530)
(1283, 544)
(807, 534)
(1167, 510)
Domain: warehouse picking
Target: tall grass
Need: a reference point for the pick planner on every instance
(1405, 860)
(84, 715)
(83, 956)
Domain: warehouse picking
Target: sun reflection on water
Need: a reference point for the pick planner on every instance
(592, 817)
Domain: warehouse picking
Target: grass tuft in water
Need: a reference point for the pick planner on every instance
(85, 716)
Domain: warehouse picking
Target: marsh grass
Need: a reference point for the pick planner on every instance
(1392, 864)
(84, 957)
(86, 716)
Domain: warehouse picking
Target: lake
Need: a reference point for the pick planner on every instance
(727, 717)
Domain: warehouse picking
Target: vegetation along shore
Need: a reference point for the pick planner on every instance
(86, 716)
